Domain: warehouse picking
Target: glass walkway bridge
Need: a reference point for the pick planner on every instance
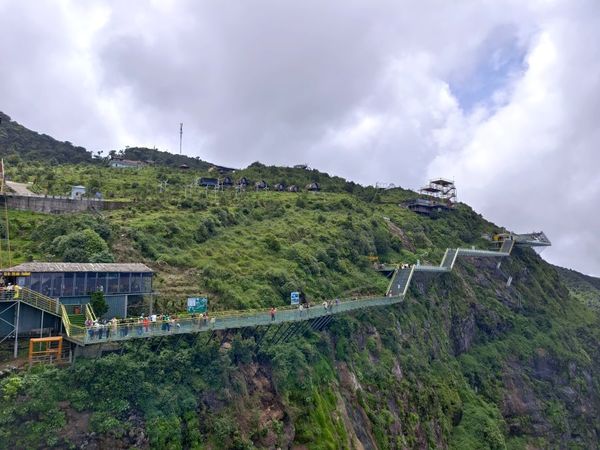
(316, 316)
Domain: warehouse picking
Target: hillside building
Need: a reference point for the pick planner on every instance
(124, 287)
(439, 195)
(77, 192)
(120, 163)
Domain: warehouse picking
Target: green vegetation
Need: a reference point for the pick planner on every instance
(19, 143)
(464, 363)
(98, 303)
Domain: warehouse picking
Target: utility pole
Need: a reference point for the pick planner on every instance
(180, 136)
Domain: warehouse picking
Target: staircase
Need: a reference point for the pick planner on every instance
(400, 282)
(33, 298)
(507, 246)
(77, 320)
(449, 258)
(48, 305)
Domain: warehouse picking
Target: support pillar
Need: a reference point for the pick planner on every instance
(17, 318)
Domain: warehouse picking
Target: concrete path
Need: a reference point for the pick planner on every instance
(20, 188)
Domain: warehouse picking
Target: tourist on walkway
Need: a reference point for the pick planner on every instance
(273, 311)
(114, 325)
(301, 309)
(88, 326)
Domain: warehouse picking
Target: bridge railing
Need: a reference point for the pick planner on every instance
(74, 332)
(89, 312)
(30, 297)
(126, 330)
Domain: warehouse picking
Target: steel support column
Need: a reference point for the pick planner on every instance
(272, 338)
(262, 336)
(18, 316)
(287, 332)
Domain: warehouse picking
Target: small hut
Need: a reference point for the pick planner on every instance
(208, 182)
(293, 188)
(227, 182)
(313, 187)
(261, 185)
(279, 187)
(243, 182)
(184, 167)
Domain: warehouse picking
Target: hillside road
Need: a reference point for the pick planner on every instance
(20, 188)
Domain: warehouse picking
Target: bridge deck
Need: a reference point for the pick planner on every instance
(128, 331)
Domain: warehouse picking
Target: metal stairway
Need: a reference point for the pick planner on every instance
(44, 303)
(400, 282)
(449, 258)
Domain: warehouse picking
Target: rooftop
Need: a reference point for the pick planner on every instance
(78, 267)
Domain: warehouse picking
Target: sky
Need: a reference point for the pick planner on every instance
(502, 96)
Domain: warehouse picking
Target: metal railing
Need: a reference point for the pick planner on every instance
(30, 297)
(65, 319)
(74, 332)
(126, 330)
(89, 313)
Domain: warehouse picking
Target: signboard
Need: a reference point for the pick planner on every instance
(295, 298)
(15, 274)
(197, 304)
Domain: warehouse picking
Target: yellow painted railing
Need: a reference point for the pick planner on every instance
(89, 313)
(37, 300)
(65, 319)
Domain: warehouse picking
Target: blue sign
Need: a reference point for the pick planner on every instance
(295, 297)
(197, 304)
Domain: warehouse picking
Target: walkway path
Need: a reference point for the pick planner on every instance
(20, 188)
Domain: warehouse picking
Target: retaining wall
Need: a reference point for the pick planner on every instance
(56, 204)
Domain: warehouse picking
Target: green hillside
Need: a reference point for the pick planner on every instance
(582, 287)
(465, 362)
(20, 143)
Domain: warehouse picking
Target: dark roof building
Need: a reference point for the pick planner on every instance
(261, 185)
(208, 182)
(227, 182)
(123, 285)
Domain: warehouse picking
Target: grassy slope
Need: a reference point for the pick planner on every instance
(465, 363)
(583, 287)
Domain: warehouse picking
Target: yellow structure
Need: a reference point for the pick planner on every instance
(47, 349)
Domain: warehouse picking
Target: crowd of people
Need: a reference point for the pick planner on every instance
(105, 329)
(165, 323)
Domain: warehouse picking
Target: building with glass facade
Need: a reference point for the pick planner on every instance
(123, 285)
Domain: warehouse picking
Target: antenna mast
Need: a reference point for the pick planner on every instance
(180, 136)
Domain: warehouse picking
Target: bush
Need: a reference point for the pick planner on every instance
(98, 303)
(81, 246)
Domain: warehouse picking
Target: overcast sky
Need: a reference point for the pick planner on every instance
(502, 96)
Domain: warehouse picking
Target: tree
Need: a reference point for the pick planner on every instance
(98, 303)
(82, 246)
